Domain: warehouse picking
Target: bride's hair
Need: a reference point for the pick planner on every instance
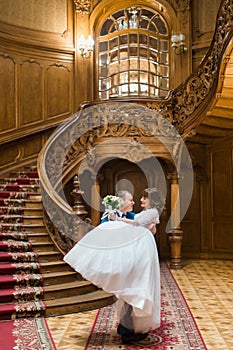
(154, 197)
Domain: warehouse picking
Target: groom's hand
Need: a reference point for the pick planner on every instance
(112, 217)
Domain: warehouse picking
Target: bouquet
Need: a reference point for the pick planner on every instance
(111, 203)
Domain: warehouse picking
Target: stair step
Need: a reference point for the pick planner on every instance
(24, 203)
(38, 237)
(54, 266)
(42, 246)
(18, 257)
(63, 277)
(15, 246)
(24, 309)
(33, 211)
(24, 219)
(21, 280)
(78, 303)
(34, 196)
(19, 188)
(46, 256)
(22, 211)
(43, 256)
(5, 210)
(33, 220)
(28, 174)
(22, 267)
(19, 194)
(20, 181)
(33, 267)
(36, 227)
(15, 235)
(68, 289)
(21, 294)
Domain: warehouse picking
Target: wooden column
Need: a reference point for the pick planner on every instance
(95, 200)
(176, 234)
(80, 218)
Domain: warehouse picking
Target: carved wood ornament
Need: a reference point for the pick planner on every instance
(82, 6)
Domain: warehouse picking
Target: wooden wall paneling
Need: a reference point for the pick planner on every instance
(9, 154)
(23, 152)
(222, 240)
(221, 173)
(31, 42)
(222, 199)
(59, 90)
(203, 20)
(205, 215)
(31, 92)
(8, 118)
(203, 25)
(40, 91)
(48, 24)
(191, 223)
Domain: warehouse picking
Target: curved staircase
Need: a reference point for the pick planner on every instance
(34, 279)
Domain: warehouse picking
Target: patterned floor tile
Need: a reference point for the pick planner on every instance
(208, 288)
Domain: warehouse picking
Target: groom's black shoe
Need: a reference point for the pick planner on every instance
(149, 340)
(124, 331)
(134, 338)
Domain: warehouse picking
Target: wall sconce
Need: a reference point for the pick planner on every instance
(178, 44)
(85, 46)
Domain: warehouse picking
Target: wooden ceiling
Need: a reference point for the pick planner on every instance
(217, 123)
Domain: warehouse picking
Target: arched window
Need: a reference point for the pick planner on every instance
(133, 55)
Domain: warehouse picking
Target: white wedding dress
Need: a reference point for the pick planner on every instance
(122, 259)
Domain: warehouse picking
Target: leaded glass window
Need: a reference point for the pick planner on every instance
(133, 55)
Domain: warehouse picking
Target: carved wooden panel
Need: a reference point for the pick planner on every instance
(9, 154)
(59, 89)
(222, 190)
(222, 238)
(40, 23)
(31, 99)
(191, 224)
(7, 93)
(47, 16)
(32, 90)
(23, 152)
(203, 13)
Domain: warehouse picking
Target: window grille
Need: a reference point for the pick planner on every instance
(133, 55)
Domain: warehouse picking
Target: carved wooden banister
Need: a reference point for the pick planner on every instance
(76, 138)
(185, 105)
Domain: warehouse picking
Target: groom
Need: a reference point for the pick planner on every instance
(126, 206)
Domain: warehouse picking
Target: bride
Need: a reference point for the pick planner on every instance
(120, 256)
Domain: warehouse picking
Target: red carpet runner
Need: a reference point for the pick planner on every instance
(21, 289)
(178, 328)
(25, 334)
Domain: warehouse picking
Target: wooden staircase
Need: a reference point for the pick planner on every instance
(65, 291)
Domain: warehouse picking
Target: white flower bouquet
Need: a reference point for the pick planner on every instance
(111, 204)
